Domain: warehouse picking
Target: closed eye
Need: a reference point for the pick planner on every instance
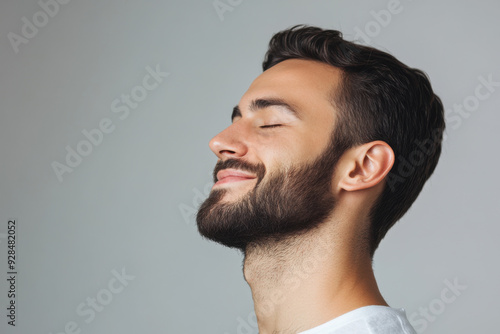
(270, 126)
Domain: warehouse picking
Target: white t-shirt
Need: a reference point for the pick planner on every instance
(373, 319)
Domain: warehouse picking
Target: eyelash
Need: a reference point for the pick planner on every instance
(270, 126)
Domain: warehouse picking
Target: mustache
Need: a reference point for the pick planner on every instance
(258, 169)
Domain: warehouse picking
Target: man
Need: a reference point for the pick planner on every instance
(327, 149)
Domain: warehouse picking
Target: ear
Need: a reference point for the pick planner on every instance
(366, 166)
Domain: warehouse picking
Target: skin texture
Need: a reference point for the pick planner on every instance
(312, 277)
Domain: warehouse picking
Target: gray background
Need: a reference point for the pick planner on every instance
(130, 203)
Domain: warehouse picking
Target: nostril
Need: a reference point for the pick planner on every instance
(227, 152)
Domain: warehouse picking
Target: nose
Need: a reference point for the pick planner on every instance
(230, 143)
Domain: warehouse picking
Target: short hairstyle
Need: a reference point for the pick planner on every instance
(379, 98)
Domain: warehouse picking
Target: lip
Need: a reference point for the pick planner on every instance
(232, 175)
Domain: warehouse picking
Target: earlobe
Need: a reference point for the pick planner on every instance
(368, 166)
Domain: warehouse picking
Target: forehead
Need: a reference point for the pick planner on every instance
(306, 84)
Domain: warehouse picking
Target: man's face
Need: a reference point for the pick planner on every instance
(276, 159)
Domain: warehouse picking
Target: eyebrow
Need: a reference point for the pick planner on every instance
(259, 104)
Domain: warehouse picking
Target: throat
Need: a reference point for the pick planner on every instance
(305, 280)
(277, 271)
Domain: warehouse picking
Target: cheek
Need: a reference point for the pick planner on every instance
(310, 147)
(283, 152)
(278, 155)
(288, 149)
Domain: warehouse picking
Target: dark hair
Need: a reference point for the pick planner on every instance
(379, 98)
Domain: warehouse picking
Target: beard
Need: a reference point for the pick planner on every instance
(289, 202)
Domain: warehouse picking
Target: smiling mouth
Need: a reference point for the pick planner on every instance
(232, 176)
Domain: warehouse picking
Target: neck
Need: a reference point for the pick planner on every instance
(309, 279)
